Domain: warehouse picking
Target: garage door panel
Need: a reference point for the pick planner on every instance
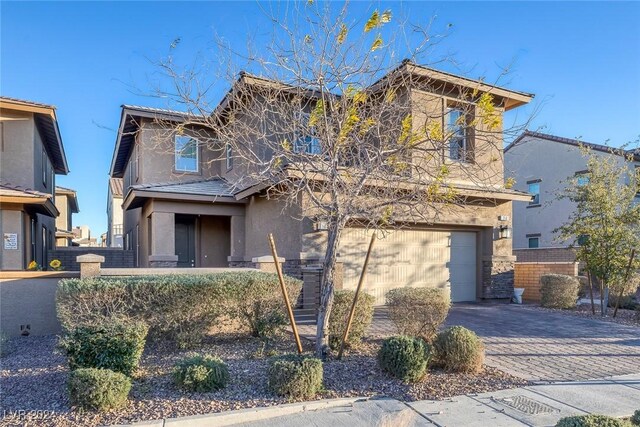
(416, 258)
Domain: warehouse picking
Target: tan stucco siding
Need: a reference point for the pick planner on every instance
(17, 159)
(214, 242)
(272, 216)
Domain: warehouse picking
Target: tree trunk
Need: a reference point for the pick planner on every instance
(593, 305)
(327, 287)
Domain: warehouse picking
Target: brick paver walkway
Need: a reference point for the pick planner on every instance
(539, 345)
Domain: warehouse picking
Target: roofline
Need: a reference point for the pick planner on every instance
(573, 142)
(132, 194)
(75, 207)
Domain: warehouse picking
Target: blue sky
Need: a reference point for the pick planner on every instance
(581, 59)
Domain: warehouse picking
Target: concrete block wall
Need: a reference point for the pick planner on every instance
(545, 255)
(527, 276)
(113, 257)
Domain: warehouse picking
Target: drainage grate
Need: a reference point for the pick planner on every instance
(527, 405)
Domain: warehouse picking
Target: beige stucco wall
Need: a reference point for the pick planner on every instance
(11, 221)
(553, 163)
(214, 242)
(17, 159)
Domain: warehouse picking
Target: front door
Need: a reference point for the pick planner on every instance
(186, 240)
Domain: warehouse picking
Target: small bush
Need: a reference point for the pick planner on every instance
(177, 308)
(627, 302)
(591, 421)
(418, 312)
(295, 376)
(559, 291)
(109, 345)
(458, 349)
(339, 313)
(201, 373)
(404, 357)
(98, 389)
(635, 419)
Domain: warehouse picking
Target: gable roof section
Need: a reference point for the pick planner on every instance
(39, 201)
(47, 123)
(115, 187)
(72, 197)
(574, 142)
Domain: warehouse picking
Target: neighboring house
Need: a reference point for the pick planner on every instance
(31, 154)
(183, 207)
(541, 165)
(67, 205)
(114, 214)
(82, 237)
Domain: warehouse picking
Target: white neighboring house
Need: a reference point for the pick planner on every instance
(540, 164)
(114, 214)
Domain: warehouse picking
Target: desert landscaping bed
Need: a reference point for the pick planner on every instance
(33, 379)
(624, 317)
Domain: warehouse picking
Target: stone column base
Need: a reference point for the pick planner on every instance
(497, 277)
(163, 261)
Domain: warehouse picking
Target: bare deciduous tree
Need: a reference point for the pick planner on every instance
(334, 122)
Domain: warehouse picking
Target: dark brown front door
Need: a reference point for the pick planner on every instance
(186, 240)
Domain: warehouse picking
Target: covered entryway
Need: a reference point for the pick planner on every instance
(418, 258)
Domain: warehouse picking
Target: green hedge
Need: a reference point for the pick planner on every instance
(98, 389)
(181, 308)
(339, 313)
(404, 357)
(109, 345)
(591, 421)
(201, 373)
(559, 291)
(459, 349)
(295, 376)
(418, 312)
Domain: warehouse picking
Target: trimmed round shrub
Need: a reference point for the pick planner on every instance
(339, 315)
(559, 291)
(295, 376)
(404, 357)
(98, 389)
(457, 349)
(418, 312)
(201, 373)
(109, 345)
(635, 419)
(591, 421)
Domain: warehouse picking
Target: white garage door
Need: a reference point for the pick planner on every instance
(418, 258)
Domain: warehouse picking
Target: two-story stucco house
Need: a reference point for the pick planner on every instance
(67, 204)
(183, 206)
(541, 164)
(115, 219)
(31, 154)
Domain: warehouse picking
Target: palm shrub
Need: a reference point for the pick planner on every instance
(98, 389)
(362, 317)
(405, 357)
(201, 373)
(111, 345)
(295, 376)
(458, 349)
(559, 291)
(418, 312)
(591, 421)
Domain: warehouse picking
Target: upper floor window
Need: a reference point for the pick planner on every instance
(306, 140)
(534, 190)
(186, 154)
(582, 178)
(534, 242)
(229, 156)
(457, 128)
(44, 167)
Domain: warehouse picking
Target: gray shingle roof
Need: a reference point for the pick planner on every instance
(215, 187)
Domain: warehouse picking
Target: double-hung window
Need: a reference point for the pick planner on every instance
(186, 154)
(306, 140)
(534, 190)
(229, 155)
(459, 144)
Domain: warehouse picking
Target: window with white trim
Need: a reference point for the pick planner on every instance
(534, 190)
(306, 140)
(229, 155)
(457, 123)
(186, 154)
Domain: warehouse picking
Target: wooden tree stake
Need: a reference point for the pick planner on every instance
(355, 297)
(284, 293)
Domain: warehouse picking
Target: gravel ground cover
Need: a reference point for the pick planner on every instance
(624, 317)
(33, 382)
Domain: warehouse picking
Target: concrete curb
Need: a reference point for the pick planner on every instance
(229, 418)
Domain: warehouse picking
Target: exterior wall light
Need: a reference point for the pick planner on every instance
(320, 225)
(505, 232)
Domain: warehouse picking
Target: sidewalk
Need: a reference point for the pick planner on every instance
(537, 405)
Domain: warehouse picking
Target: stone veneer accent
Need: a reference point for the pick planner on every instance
(497, 277)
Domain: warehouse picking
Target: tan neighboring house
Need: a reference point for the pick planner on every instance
(541, 164)
(31, 154)
(184, 208)
(67, 205)
(115, 219)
